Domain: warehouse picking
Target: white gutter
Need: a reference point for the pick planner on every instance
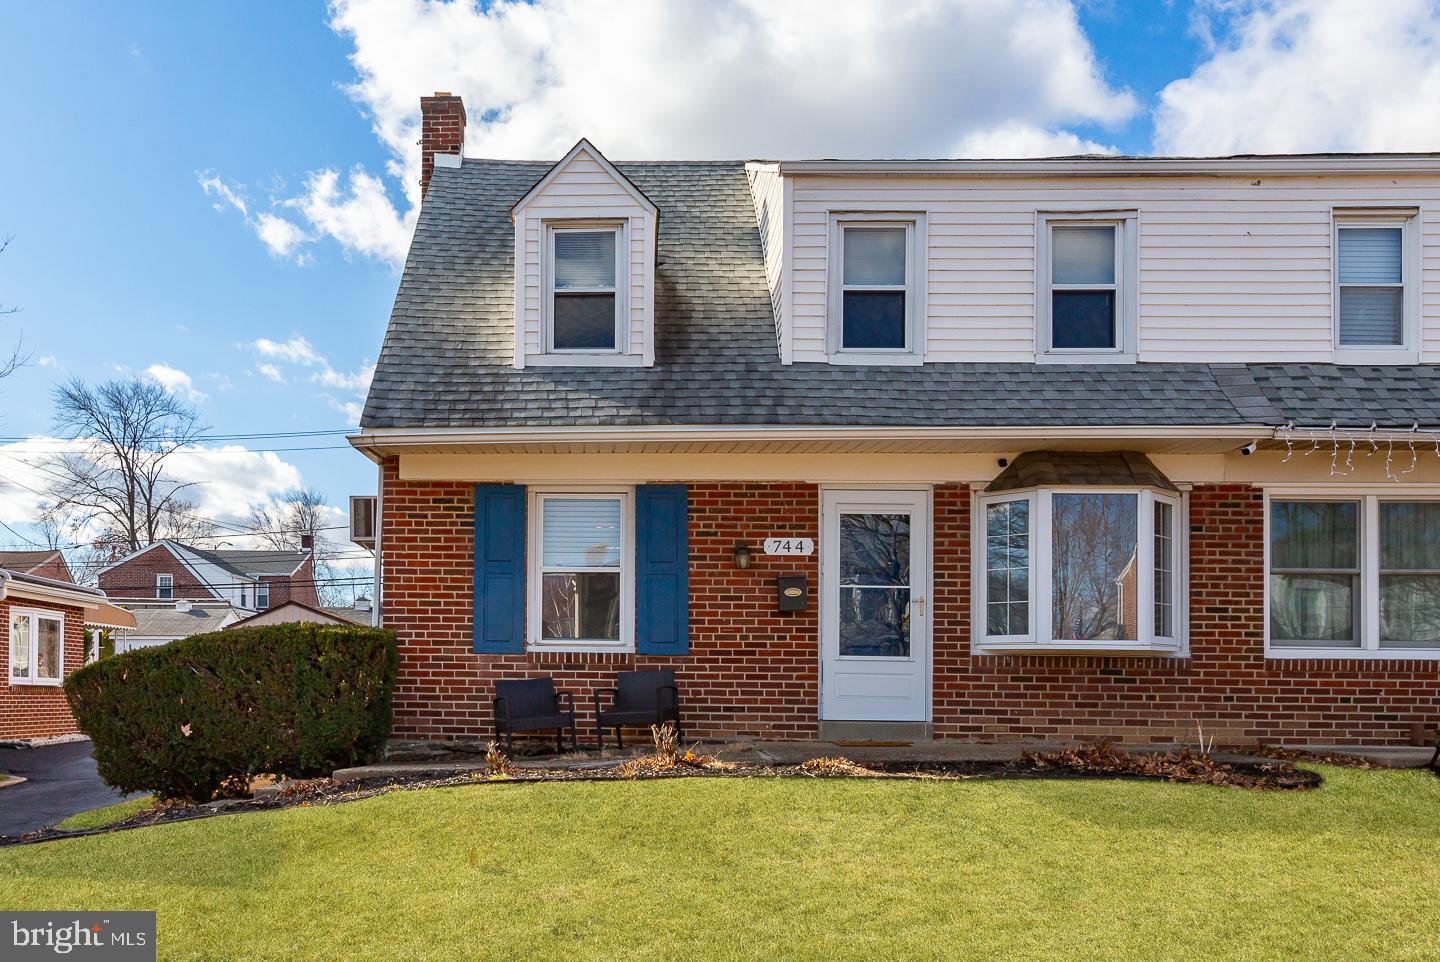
(4, 583)
(376, 438)
(1089, 166)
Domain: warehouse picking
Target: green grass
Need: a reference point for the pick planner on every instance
(106, 814)
(784, 869)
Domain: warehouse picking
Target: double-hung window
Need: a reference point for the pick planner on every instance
(876, 295)
(581, 574)
(1086, 296)
(165, 586)
(1079, 568)
(1354, 576)
(37, 647)
(586, 298)
(1375, 297)
(262, 595)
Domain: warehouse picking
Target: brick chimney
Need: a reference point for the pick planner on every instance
(442, 131)
(307, 542)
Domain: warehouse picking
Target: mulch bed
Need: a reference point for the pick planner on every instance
(1091, 761)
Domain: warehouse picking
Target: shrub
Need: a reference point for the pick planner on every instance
(201, 716)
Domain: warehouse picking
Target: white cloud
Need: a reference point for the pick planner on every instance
(271, 371)
(1309, 75)
(297, 350)
(229, 477)
(357, 381)
(1017, 139)
(693, 79)
(280, 236)
(45, 360)
(175, 381)
(358, 215)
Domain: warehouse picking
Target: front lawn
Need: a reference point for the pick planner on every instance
(783, 869)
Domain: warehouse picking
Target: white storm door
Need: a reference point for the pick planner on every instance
(874, 605)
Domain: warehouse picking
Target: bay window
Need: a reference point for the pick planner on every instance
(581, 577)
(1079, 568)
(1353, 576)
(37, 647)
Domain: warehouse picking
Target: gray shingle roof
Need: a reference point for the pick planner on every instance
(170, 623)
(252, 563)
(447, 356)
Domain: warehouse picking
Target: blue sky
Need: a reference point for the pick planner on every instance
(218, 196)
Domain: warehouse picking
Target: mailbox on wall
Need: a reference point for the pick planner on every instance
(792, 593)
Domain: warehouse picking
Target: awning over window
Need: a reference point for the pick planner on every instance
(1046, 469)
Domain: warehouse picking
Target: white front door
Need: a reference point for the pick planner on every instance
(874, 610)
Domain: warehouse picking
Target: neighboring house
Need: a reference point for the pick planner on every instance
(43, 641)
(247, 580)
(46, 563)
(950, 402)
(159, 624)
(293, 611)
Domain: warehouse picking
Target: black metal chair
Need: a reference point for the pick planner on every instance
(533, 705)
(638, 698)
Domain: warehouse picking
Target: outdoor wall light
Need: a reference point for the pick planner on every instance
(742, 556)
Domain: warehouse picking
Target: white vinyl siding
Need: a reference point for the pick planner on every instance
(1228, 269)
(767, 189)
(584, 191)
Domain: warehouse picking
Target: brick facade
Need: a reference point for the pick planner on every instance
(299, 586)
(752, 670)
(38, 711)
(135, 578)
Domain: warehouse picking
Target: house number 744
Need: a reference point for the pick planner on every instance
(790, 546)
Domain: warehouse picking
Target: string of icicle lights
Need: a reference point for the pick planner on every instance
(1343, 445)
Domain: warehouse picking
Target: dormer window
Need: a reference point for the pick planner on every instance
(877, 298)
(585, 246)
(1086, 301)
(1375, 295)
(585, 301)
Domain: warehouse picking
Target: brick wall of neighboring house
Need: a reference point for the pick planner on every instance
(55, 568)
(38, 711)
(752, 670)
(136, 577)
(297, 587)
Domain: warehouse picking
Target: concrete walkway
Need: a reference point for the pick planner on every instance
(60, 781)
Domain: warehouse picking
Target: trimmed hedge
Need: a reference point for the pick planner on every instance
(200, 716)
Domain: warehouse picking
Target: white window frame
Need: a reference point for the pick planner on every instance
(262, 588)
(1039, 638)
(1408, 351)
(915, 288)
(1368, 598)
(36, 616)
(622, 292)
(165, 582)
(1127, 273)
(537, 497)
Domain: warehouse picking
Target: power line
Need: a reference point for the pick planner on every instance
(258, 435)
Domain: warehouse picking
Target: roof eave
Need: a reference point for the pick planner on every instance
(1296, 165)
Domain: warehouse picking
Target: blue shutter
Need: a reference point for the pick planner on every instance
(662, 569)
(499, 569)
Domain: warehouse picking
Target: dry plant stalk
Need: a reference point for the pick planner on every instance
(667, 744)
(835, 767)
(497, 762)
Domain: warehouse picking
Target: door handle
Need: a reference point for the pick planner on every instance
(920, 603)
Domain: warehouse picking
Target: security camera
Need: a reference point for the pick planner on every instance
(1249, 449)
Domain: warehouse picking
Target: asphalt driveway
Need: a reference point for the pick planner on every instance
(62, 781)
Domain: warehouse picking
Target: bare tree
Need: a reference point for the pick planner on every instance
(115, 479)
(17, 356)
(283, 523)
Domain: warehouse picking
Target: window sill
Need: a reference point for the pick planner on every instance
(581, 359)
(886, 359)
(1061, 647)
(1352, 654)
(36, 682)
(1083, 357)
(1380, 355)
(578, 648)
